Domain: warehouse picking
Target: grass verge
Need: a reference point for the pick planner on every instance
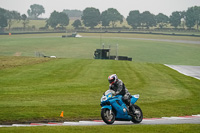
(188, 128)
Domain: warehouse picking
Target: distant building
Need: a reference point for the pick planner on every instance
(105, 54)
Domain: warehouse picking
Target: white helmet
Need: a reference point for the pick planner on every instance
(112, 79)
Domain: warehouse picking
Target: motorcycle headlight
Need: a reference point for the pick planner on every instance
(104, 98)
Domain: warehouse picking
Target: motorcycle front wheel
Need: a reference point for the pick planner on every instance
(138, 116)
(107, 116)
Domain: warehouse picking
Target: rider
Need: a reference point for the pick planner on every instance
(119, 88)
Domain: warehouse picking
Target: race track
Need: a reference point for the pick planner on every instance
(149, 39)
(194, 119)
(193, 71)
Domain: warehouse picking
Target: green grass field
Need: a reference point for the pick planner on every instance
(38, 89)
(42, 89)
(139, 50)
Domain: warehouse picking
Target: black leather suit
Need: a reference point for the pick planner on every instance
(120, 89)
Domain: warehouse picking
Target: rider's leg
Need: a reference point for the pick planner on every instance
(127, 101)
(132, 108)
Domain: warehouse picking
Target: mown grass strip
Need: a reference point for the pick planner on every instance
(42, 90)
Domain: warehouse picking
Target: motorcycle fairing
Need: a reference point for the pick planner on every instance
(120, 107)
(107, 106)
(134, 98)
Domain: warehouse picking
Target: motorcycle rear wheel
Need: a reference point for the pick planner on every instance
(138, 117)
(107, 116)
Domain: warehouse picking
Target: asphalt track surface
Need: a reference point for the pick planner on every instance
(193, 71)
(194, 119)
(128, 38)
(148, 39)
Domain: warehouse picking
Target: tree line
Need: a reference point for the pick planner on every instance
(7, 18)
(91, 17)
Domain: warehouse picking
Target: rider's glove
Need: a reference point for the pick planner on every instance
(113, 93)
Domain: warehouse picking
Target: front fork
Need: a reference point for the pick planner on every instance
(110, 115)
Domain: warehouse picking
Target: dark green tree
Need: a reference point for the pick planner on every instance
(63, 19)
(175, 19)
(114, 16)
(53, 19)
(3, 22)
(134, 19)
(91, 17)
(197, 15)
(148, 19)
(104, 19)
(76, 24)
(3, 19)
(58, 18)
(162, 20)
(190, 18)
(35, 11)
(25, 21)
(2, 11)
(13, 16)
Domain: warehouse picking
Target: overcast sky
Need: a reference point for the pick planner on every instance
(123, 6)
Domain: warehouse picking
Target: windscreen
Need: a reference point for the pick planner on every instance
(109, 91)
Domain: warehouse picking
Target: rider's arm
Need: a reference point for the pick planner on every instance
(121, 88)
(112, 90)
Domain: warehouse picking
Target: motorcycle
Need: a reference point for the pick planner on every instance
(113, 108)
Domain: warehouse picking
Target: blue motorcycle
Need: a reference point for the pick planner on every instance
(113, 108)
